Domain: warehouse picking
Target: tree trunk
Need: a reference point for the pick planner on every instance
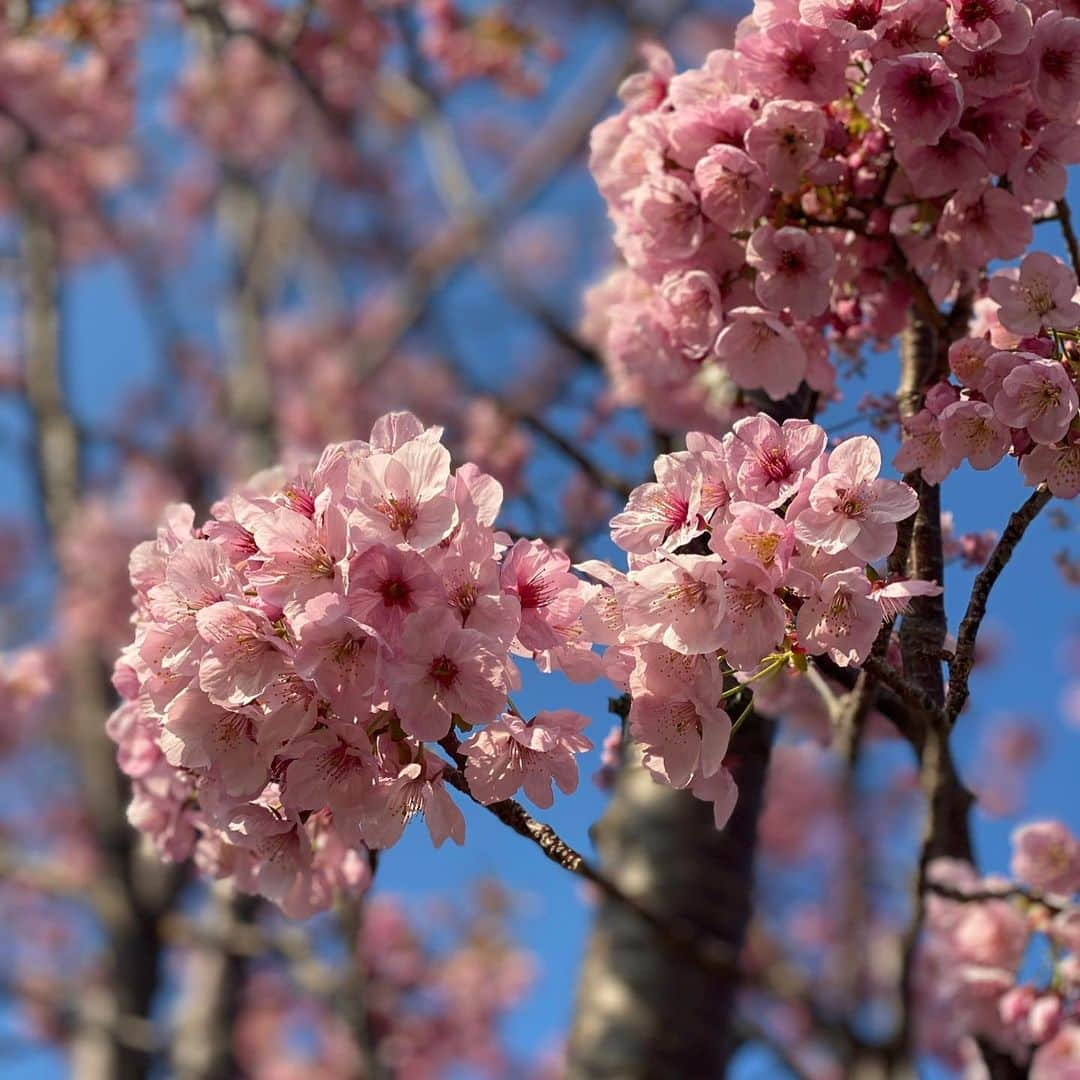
(643, 1010)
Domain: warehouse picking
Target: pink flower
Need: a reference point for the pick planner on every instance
(992, 934)
(440, 671)
(759, 350)
(841, 620)
(773, 458)
(968, 361)
(894, 595)
(956, 160)
(417, 788)
(662, 514)
(197, 575)
(386, 584)
(677, 602)
(676, 717)
(908, 26)
(666, 219)
(734, 189)
(786, 139)
(1059, 469)
(720, 790)
(1055, 56)
(510, 753)
(969, 429)
(982, 223)
(1044, 1017)
(1038, 171)
(339, 654)
(917, 97)
(857, 22)
(329, 770)
(1041, 297)
(297, 558)
(757, 535)
(551, 596)
(1046, 856)
(202, 736)
(755, 618)
(244, 655)
(1059, 1059)
(792, 60)
(692, 312)
(851, 508)
(979, 24)
(922, 448)
(474, 593)
(695, 127)
(794, 269)
(1038, 395)
(403, 496)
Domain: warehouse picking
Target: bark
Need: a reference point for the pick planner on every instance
(214, 980)
(642, 1009)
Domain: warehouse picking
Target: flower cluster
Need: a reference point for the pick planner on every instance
(745, 552)
(438, 991)
(243, 104)
(969, 976)
(66, 125)
(27, 688)
(1017, 389)
(320, 397)
(488, 44)
(294, 656)
(803, 186)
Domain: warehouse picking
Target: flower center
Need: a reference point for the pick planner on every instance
(537, 592)
(1037, 296)
(443, 670)
(861, 16)
(851, 502)
(763, 545)
(775, 464)
(395, 593)
(401, 512)
(799, 65)
(974, 12)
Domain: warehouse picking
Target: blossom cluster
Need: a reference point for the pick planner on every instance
(244, 105)
(1017, 385)
(296, 656)
(68, 111)
(27, 689)
(971, 976)
(803, 186)
(746, 553)
(437, 988)
(491, 44)
(319, 397)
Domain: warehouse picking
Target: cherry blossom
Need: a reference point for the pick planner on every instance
(511, 753)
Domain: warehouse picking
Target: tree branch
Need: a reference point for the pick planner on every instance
(1064, 216)
(912, 696)
(713, 955)
(966, 639)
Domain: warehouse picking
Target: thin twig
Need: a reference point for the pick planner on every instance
(990, 894)
(907, 691)
(1064, 216)
(709, 953)
(964, 657)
